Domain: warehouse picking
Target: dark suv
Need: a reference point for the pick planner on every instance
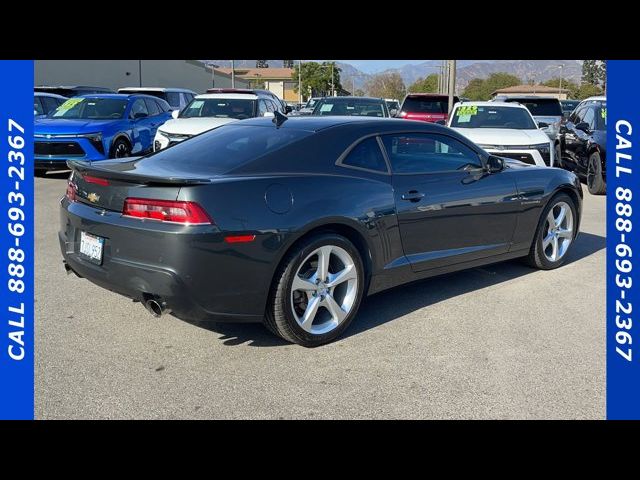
(583, 142)
(428, 107)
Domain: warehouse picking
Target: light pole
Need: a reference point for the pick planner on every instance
(560, 89)
(233, 74)
(452, 83)
(300, 81)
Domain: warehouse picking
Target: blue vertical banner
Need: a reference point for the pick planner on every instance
(623, 247)
(16, 240)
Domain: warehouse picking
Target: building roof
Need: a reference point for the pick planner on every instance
(530, 89)
(275, 73)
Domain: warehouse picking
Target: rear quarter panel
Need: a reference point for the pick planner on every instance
(243, 206)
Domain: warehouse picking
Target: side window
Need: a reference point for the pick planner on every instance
(173, 98)
(576, 116)
(152, 107)
(366, 154)
(162, 105)
(139, 109)
(262, 107)
(50, 104)
(428, 153)
(589, 117)
(271, 106)
(37, 106)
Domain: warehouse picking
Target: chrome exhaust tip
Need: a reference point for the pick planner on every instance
(155, 307)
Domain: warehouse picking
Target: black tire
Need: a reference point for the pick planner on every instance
(536, 257)
(279, 317)
(595, 182)
(120, 149)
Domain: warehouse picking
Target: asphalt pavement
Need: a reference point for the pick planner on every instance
(497, 342)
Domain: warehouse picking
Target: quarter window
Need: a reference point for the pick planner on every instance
(366, 154)
(37, 106)
(262, 108)
(428, 153)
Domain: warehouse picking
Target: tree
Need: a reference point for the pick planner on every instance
(287, 63)
(262, 64)
(428, 84)
(316, 78)
(481, 89)
(588, 90)
(359, 92)
(568, 84)
(594, 72)
(386, 85)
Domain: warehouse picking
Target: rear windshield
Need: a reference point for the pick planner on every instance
(543, 107)
(352, 107)
(224, 148)
(219, 108)
(474, 116)
(569, 106)
(426, 105)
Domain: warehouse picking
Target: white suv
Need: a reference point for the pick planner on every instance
(503, 129)
(209, 111)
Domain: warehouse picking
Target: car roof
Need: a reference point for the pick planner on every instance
(123, 96)
(423, 94)
(345, 98)
(597, 98)
(47, 94)
(317, 123)
(492, 104)
(238, 96)
(526, 97)
(154, 89)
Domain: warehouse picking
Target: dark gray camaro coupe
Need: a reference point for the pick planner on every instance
(291, 222)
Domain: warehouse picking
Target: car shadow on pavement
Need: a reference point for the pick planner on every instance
(57, 175)
(399, 301)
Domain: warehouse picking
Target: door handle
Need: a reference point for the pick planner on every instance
(413, 196)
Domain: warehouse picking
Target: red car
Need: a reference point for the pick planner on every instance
(428, 107)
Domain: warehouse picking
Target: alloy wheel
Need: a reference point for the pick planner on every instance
(558, 232)
(324, 289)
(591, 172)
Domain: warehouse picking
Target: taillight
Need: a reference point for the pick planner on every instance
(71, 191)
(98, 181)
(188, 213)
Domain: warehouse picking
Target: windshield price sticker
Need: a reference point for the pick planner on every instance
(465, 110)
(69, 104)
(327, 107)
(603, 112)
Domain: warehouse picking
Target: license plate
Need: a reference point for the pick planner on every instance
(91, 247)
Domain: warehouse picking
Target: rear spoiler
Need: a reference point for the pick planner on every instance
(85, 168)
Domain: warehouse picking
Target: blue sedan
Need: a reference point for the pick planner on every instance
(97, 127)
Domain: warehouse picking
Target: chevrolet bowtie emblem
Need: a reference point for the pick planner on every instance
(93, 197)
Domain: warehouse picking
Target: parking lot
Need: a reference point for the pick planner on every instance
(503, 341)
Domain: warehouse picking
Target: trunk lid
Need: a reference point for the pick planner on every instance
(106, 184)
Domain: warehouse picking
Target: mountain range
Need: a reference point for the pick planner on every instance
(527, 70)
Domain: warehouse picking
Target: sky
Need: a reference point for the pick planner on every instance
(372, 66)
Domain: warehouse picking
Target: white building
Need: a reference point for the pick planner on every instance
(114, 74)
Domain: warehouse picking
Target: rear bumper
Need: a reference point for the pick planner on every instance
(167, 262)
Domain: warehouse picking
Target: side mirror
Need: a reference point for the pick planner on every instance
(542, 125)
(441, 122)
(494, 164)
(175, 113)
(268, 114)
(139, 115)
(288, 109)
(584, 126)
(393, 112)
